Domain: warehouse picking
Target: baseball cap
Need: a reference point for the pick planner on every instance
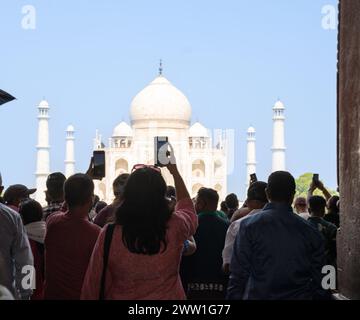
(17, 191)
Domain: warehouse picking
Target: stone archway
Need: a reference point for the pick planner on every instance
(121, 166)
(198, 168)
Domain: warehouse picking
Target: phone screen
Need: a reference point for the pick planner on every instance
(99, 164)
(161, 148)
(316, 177)
(253, 177)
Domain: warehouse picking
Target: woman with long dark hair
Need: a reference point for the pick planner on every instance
(146, 244)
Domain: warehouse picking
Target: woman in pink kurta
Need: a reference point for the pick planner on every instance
(144, 276)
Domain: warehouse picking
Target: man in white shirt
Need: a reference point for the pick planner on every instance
(15, 253)
(256, 200)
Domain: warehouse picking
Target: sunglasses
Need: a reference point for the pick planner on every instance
(142, 166)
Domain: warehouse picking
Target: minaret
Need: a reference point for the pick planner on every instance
(70, 154)
(43, 154)
(251, 155)
(278, 148)
(98, 140)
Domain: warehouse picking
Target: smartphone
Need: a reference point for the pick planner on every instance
(161, 151)
(99, 164)
(316, 177)
(253, 178)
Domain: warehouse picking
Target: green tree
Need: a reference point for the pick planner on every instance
(303, 184)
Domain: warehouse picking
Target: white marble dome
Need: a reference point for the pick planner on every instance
(44, 104)
(251, 129)
(70, 128)
(198, 130)
(160, 100)
(122, 130)
(279, 105)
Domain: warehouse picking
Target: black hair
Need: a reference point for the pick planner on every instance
(317, 204)
(144, 213)
(281, 186)
(55, 185)
(232, 201)
(257, 192)
(208, 195)
(78, 189)
(99, 206)
(30, 211)
(223, 207)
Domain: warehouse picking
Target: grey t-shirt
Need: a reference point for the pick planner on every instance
(15, 253)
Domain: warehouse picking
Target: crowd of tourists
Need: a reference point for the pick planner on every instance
(155, 242)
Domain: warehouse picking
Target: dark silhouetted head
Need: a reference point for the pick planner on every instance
(79, 191)
(144, 212)
(55, 187)
(281, 187)
(317, 206)
(256, 195)
(99, 206)
(232, 201)
(206, 200)
(17, 193)
(223, 207)
(30, 211)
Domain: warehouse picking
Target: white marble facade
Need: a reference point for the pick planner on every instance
(160, 109)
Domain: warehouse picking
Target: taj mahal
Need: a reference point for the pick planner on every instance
(160, 109)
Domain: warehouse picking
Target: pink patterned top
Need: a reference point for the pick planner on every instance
(141, 277)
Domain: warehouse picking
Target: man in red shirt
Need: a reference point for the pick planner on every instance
(69, 241)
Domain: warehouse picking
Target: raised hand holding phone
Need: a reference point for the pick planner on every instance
(181, 190)
(161, 147)
(96, 168)
(253, 178)
(172, 167)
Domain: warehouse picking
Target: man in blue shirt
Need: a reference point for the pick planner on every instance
(277, 254)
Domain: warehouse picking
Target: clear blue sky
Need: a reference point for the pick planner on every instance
(232, 59)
